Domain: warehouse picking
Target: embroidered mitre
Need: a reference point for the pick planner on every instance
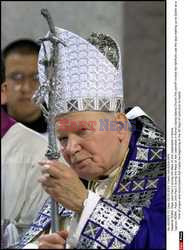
(88, 76)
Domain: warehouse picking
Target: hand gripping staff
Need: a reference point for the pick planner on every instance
(49, 88)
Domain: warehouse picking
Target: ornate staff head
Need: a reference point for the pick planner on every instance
(48, 88)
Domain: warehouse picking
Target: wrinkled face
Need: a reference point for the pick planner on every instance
(89, 149)
(20, 85)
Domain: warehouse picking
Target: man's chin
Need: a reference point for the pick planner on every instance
(27, 115)
(87, 169)
(80, 167)
(85, 172)
(82, 170)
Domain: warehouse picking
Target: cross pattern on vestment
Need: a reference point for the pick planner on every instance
(138, 185)
(105, 238)
(117, 244)
(124, 188)
(142, 154)
(91, 230)
(152, 183)
(156, 154)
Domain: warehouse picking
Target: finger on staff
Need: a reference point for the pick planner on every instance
(48, 167)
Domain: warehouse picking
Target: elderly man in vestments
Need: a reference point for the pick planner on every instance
(121, 156)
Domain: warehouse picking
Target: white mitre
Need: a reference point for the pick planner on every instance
(86, 79)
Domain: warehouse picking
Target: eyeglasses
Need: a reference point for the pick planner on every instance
(20, 77)
(19, 80)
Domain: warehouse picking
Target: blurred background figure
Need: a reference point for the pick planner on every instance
(19, 82)
(21, 194)
(22, 148)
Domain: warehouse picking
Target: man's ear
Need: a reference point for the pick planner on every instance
(3, 93)
(122, 125)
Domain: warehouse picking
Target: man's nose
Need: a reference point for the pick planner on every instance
(73, 145)
(29, 85)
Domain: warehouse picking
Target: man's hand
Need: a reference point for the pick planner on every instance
(53, 241)
(63, 184)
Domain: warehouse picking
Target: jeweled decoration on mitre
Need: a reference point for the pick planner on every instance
(88, 77)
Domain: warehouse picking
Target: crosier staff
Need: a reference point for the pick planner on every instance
(50, 89)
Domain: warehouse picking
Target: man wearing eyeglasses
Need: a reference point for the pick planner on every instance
(22, 148)
(20, 82)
